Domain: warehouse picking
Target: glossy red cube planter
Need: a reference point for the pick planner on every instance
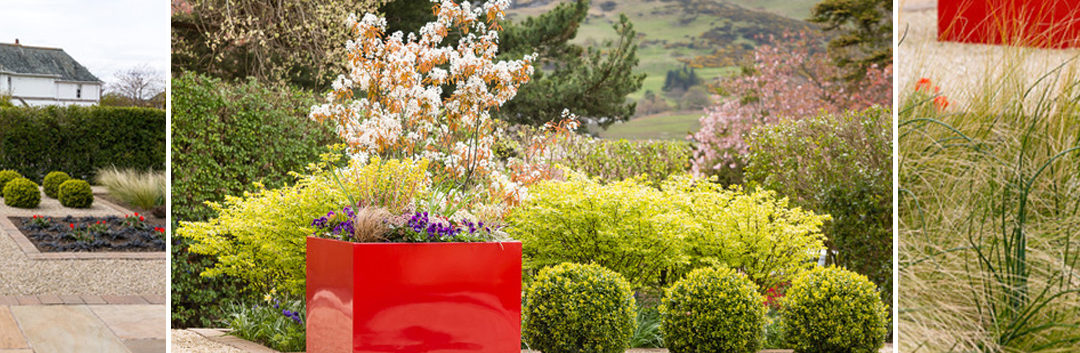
(413, 297)
(1039, 23)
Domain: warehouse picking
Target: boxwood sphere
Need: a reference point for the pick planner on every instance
(52, 182)
(579, 308)
(22, 193)
(713, 310)
(76, 193)
(830, 309)
(6, 176)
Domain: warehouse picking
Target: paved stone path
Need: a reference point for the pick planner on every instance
(83, 328)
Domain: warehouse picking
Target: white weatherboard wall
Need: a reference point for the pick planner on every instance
(38, 90)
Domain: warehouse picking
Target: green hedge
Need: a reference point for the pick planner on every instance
(79, 140)
(228, 136)
(197, 301)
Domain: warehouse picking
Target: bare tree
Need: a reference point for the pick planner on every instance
(138, 86)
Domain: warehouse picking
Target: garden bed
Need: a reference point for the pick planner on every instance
(92, 234)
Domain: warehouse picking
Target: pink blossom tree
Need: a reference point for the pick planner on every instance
(790, 78)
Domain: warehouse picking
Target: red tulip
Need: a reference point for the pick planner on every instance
(941, 102)
(141, 219)
(923, 85)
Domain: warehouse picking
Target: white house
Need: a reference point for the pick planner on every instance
(35, 76)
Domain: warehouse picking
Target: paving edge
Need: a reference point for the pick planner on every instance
(31, 251)
(49, 299)
(219, 335)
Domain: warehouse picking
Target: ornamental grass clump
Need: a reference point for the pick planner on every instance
(989, 206)
(52, 182)
(833, 310)
(713, 310)
(21, 193)
(145, 190)
(579, 308)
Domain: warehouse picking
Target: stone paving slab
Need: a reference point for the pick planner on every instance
(145, 346)
(134, 322)
(64, 328)
(79, 299)
(10, 335)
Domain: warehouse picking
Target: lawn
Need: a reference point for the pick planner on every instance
(663, 126)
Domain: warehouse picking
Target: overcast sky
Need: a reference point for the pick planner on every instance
(106, 36)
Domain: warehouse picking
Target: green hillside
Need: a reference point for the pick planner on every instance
(711, 36)
(708, 34)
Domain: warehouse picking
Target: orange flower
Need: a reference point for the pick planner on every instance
(923, 85)
(941, 103)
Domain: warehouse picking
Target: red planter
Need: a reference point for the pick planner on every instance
(413, 297)
(1040, 23)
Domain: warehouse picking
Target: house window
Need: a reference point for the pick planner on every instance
(78, 92)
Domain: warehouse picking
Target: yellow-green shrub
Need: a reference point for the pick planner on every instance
(260, 237)
(713, 310)
(830, 309)
(52, 182)
(579, 308)
(625, 226)
(652, 235)
(21, 193)
(756, 232)
(76, 194)
(8, 175)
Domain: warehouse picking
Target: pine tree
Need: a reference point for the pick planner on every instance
(863, 31)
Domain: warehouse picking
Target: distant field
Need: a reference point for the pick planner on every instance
(664, 126)
(669, 31)
(672, 30)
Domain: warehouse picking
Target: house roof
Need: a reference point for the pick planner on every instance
(23, 59)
